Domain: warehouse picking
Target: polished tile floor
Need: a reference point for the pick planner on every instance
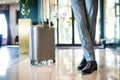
(65, 68)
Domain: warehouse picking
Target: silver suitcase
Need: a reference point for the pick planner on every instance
(42, 42)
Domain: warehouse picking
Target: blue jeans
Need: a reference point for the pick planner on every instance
(85, 12)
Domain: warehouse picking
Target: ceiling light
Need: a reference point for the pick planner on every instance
(3, 1)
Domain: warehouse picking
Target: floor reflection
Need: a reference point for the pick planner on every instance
(65, 67)
(7, 54)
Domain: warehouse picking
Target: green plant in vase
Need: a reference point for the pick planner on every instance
(25, 7)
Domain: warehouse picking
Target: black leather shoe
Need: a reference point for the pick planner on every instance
(82, 64)
(89, 68)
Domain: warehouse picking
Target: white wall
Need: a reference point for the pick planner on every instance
(13, 25)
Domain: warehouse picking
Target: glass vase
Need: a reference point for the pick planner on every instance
(25, 10)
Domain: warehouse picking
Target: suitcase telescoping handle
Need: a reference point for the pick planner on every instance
(42, 14)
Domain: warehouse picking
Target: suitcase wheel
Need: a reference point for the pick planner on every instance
(54, 61)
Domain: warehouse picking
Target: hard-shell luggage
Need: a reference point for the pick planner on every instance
(42, 43)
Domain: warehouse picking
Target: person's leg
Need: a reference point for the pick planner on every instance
(79, 10)
(91, 10)
(76, 6)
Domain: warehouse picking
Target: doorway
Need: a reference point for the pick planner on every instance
(3, 28)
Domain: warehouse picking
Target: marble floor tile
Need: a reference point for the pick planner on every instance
(65, 68)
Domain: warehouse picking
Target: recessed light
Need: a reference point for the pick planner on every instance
(3, 1)
(17, 1)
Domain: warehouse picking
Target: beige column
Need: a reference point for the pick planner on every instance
(24, 32)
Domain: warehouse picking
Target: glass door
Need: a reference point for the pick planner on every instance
(117, 23)
(66, 32)
(65, 24)
(112, 23)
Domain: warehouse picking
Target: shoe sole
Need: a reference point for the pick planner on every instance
(84, 73)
